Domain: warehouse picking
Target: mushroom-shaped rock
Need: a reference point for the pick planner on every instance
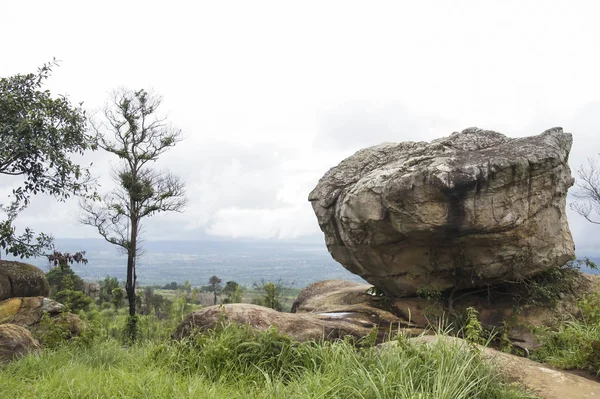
(473, 209)
(19, 279)
(15, 342)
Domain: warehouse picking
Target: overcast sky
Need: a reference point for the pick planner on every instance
(270, 95)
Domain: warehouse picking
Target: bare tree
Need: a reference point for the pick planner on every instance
(139, 137)
(587, 202)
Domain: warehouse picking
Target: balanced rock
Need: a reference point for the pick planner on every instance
(15, 342)
(301, 327)
(473, 209)
(19, 279)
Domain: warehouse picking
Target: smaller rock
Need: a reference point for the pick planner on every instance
(28, 312)
(16, 342)
(301, 327)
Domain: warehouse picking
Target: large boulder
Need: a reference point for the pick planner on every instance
(470, 210)
(15, 342)
(19, 279)
(301, 327)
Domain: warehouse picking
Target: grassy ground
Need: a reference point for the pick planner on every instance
(574, 344)
(236, 362)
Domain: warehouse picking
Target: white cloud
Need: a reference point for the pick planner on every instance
(271, 94)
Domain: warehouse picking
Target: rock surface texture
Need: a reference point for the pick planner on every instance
(301, 327)
(473, 209)
(15, 341)
(348, 300)
(28, 312)
(19, 279)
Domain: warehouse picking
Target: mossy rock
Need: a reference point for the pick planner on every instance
(28, 311)
(19, 279)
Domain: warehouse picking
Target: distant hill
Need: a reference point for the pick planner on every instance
(244, 261)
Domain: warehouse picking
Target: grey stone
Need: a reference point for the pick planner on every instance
(473, 209)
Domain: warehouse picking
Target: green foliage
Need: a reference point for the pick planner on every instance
(74, 300)
(64, 278)
(171, 286)
(233, 292)
(236, 362)
(473, 331)
(153, 303)
(574, 344)
(214, 286)
(118, 295)
(272, 294)
(132, 329)
(107, 286)
(52, 333)
(39, 134)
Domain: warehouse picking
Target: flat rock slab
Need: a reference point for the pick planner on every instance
(301, 327)
(538, 378)
(473, 209)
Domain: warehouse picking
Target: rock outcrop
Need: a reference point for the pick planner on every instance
(15, 342)
(28, 312)
(19, 279)
(470, 210)
(301, 327)
(348, 299)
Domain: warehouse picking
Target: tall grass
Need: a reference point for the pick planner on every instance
(574, 344)
(238, 362)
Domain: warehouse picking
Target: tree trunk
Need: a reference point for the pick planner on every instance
(215, 301)
(131, 280)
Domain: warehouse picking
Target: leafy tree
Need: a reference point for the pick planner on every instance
(39, 134)
(587, 202)
(75, 300)
(139, 138)
(60, 279)
(272, 292)
(171, 286)
(61, 276)
(117, 297)
(233, 292)
(214, 286)
(106, 288)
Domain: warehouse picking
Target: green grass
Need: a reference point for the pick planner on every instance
(238, 362)
(574, 344)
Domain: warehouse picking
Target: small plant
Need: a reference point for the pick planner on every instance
(473, 330)
(369, 340)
